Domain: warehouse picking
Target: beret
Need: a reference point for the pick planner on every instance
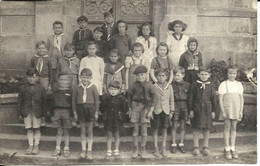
(140, 69)
(114, 84)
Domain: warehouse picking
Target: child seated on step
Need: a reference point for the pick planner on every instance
(164, 105)
(114, 107)
(62, 118)
(202, 104)
(32, 99)
(85, 106)
(141, 99)
(181, 91)
(231, 102)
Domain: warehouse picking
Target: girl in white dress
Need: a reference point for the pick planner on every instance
(147, 39)
(95, 64)
(177, 41)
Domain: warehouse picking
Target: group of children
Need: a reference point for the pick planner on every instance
(163, 84)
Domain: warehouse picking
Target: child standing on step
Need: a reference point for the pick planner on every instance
(202, 104)
(141, 99)
(114, 70)
(163, 107)
(191, 60)
(231, 102)
(121, 40)
(81, 37)
(162, 61)
(132, 62)
(114, 107)
(62, 115)
(181, 90)
(85, 106)
(32, 99)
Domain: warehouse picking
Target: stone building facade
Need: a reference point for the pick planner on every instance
(224, 28)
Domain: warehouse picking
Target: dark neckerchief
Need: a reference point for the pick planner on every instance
(110, 70)
(174, 35)
(147, 39)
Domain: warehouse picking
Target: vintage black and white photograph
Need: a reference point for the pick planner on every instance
(128, 82)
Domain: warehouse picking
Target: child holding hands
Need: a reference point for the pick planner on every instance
(202, 104)
(231, 102)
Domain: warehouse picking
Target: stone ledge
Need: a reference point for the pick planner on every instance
(226, 12)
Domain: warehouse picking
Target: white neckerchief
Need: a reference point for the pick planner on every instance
(57, 41)
(157, 86)
(70, 61)
(203, 84)
(85, 91)
(39, 64)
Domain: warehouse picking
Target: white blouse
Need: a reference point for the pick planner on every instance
(233, 87)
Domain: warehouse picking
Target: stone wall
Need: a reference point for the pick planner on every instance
(224, 28)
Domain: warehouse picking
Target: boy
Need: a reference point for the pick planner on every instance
(32, 109)
(109, 27)
(113, 105)
(61, 118)
(85, 100)
(181, 89)
(55, 45)
(141, 98)
(81, 37)
(102, 44)
(202, 104)
(163, 107)
(68, 65)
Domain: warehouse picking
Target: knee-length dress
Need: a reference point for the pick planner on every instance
(231, 91)
(203, 102)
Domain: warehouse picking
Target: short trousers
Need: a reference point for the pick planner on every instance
(160, 120)
(62, 118)
(31, 121)
(181, 111)
(138, 113)
(86, 112)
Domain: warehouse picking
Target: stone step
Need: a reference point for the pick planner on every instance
(98, 156)
(18, 141)
(50, 129)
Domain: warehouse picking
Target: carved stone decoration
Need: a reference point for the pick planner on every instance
(239, 4)
(97, 7)
(135, 7)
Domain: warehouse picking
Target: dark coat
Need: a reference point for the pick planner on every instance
(32, 99)
(113, 31)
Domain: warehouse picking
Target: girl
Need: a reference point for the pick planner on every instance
(132, 62)
(177, 41)
(112, 105)
(114, 70)
(121, 40)
(231, 104)
(202, 104)
(162, 61)
(191, 60)
(147, 39)
(95, 64)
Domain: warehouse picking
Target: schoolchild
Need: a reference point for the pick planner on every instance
(81, 37)
(68, 65)
(202, 104)
(141, 99)
(162, 61)
(103, 47)
(181, 91)
(147, 39)
(191, 60)
(32, 99)
(164, 106)
(132, 62)
(95, 64)
(55, 45)
(177, 41)
(114, 107)
(121, 40)
(85, 106)
(231, 102)
(62, 115)
(109, 27)
(114, 70)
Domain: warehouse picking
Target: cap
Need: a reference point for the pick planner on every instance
(140, 69)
